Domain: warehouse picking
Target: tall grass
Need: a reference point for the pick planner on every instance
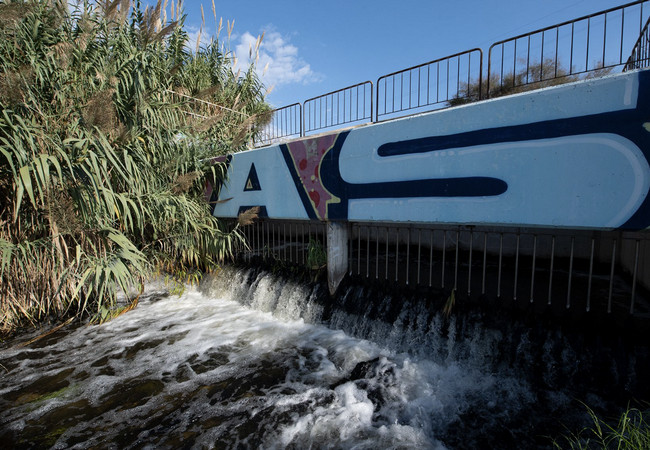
(631, 432)
(104, 153)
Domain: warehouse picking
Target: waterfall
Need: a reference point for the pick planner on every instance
(257, 358)
(580, 361)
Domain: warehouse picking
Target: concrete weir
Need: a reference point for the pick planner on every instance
(539, 196)
(550, 185)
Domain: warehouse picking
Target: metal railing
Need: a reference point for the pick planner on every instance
(349, 105)
(446, 81)
(589, 46)
(284, 240)
(565, 52)
(640, 56)
(602, 272)
(286, 123)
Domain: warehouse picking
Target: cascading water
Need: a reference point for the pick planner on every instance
(251, 360)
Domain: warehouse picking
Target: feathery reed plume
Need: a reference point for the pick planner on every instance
(184, 182)
(248, 217)
(100, 112)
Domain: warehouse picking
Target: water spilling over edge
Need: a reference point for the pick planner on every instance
(236, 364)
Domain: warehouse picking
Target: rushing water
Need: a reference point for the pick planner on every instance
(236, 364)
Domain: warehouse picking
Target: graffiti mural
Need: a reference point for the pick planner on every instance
(569, 156)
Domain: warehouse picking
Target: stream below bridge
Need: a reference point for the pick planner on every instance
(251, 360)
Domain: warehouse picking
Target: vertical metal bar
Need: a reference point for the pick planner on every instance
(377, 254)
(634, 274)
(469, 270)
(260, 240)
(350, 112)
(401, 92)
(259, 232)
(568, 291)
(350, 250)
(368, 253)
(294, 244)
(396, 252)
(408, 253)
(363, 104)
(304, 254)
(393, 95)
(500, 260)
(541, 60)
(249, 240)
(359, 250)
(267, 246)
(550, 277)
(263, 238)
(587, 49)
(430, 258)
(437, 81)
(514, 295)
(611, 278)
(485, 236)
(591, 272)
(480, 75)
(428, 81)
(387, 241)
(532, 276)
(447, 97)
(419, 253)
(557, 42)
(284, 239)
(571, 57)
(457, 74)
(248, 248)
(444, 254)
(527, 65)
(641, 19)
(502, 57)
(604, 38)
(409, 87)
(456, 262)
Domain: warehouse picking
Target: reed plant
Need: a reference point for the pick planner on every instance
(108, 125)
(630, 432)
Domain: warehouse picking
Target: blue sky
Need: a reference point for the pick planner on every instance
(314, 47)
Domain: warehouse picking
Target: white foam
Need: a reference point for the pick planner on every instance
(400, 401)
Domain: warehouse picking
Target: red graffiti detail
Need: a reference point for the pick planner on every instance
(307, 156)
(315, 198)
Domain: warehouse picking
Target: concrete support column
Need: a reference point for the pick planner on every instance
(337, 254)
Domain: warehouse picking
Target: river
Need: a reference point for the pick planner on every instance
(246, 361)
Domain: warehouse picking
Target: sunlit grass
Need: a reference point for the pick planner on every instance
(630, 432)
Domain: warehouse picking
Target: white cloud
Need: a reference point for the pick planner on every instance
(278, 61)
(193, 36)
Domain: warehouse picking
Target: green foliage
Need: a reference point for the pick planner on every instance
(316, 254)
(631, 432)
(105, 151)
